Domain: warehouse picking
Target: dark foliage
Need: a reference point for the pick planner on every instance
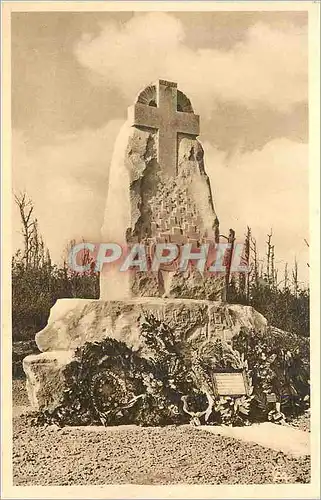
(284, 302)
(19, 351)
(35, 291)
(109, 383)
(278, 363)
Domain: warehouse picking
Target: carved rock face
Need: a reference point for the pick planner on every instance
(159, 193)
(73, 322)
(155, 208)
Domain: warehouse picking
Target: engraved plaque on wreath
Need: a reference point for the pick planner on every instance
(230, 384)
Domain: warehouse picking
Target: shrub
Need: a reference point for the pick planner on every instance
(278, 363)
(109, 383)
(19, 351)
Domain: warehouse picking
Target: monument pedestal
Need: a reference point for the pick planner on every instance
(73, 322)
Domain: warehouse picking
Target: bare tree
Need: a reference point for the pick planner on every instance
(255, 260)
(269, 257)
(286, 276)
(33, 251)
(272, 278)
(295, 280)
(247, 262)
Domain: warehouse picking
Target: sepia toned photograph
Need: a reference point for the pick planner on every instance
(158, 220)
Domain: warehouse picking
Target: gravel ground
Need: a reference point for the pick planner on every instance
(168, 455)
(123, 455)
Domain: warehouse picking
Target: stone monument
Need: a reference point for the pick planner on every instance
(158, 192)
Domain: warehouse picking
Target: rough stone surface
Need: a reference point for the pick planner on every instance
(73, 322)
(154, 197)
(45, 378)
(152, 456)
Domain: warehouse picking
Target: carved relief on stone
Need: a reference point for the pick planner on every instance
(159, 182)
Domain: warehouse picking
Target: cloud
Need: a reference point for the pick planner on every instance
(266, 189)
(67, 181)
(268, 67)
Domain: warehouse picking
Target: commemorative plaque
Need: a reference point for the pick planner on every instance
(230, 384)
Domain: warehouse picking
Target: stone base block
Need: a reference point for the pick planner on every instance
(45, 378)
(73, 322)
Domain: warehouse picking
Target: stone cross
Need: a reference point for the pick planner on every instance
(164, 116)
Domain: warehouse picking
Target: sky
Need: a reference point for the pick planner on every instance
(246, 73)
